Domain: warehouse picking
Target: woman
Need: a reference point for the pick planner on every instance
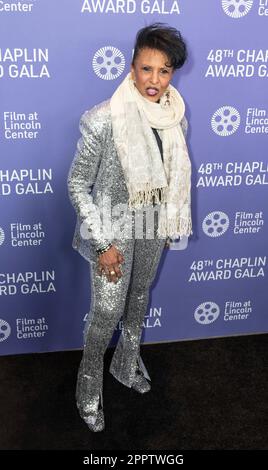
(132, 159)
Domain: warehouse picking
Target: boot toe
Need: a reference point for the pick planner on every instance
(141, 385)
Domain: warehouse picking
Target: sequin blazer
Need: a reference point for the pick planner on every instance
(96, 171)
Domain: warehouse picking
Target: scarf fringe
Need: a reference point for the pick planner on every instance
(175, 228)
(148, 196)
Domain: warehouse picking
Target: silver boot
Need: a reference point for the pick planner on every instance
(90, 407)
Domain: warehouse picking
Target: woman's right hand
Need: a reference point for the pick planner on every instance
(110, 261)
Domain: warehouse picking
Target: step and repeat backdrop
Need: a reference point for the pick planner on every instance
(58, 59)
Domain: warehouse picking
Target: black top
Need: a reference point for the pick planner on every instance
(159, 141)
(160, 146)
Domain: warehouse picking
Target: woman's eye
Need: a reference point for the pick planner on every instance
(148, 69)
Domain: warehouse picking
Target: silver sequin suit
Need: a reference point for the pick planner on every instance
(95, 172)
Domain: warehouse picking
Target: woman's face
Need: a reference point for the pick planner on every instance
(150, 73)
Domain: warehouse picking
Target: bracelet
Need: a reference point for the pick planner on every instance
(102, 250)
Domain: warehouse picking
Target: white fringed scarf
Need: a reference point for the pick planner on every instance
(148, 179)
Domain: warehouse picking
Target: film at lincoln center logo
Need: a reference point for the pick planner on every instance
(2, 236)
(237, 8)
(108, 63)
(5, 330)
(225, 121)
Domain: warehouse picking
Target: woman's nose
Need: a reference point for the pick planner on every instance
(154, 78)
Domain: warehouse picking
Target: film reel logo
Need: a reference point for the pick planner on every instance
(2, 236)
(215, 224)
(237, 8)
(225, 121)
(207, 313)
(5, 330)
(108, 63)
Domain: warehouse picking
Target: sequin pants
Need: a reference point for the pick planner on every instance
(128, 298)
